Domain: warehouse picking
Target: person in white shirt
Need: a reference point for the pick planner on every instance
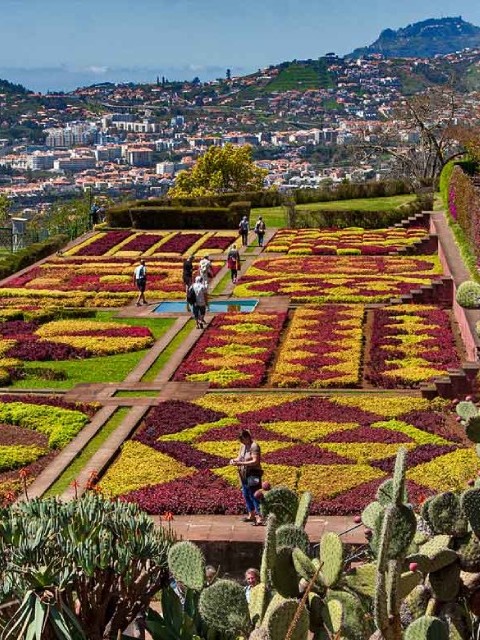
(252, 578)
(140, 281)
(205, 270)
(201, 301)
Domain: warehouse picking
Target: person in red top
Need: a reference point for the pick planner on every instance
(233, 262)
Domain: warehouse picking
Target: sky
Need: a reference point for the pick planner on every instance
(61, 44)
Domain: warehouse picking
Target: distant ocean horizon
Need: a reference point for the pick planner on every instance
(62, 78)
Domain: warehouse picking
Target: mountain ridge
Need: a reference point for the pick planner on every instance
(424, 39)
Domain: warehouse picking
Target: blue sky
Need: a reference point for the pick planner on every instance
(60, 44)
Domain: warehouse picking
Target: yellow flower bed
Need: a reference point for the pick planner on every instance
(234, 405)
(277, 474)
(363, 452)
(229, 449)
(325, 481)
(190, 435)
(140, 466)
(307, 431)
(417, 435)
(449, 472)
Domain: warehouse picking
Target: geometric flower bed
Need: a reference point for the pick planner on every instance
(31, 430)
(134, 244)
(234, 351)
(22, 341)
(322, 348)
(353, 241)
(339, 447)
(410, 344)
(338, 278)
(104, 281)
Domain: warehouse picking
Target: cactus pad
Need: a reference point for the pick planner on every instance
(466, 410)
(280, 618)
(224, 607)
(315, 607)
(472, 429)
(445, 515)
(303, 509)
(471, 507)
(303, 565)
(281, 501)
(269, 554)
(187, 564)
(398, 480)
(331, 557)
(363, 579)
(289, 535)
(371, 513)
(402, 532)
(408, 581)
(427, 628)
(332, 614)
(284, 576)
(354, 619)
(258, 603)
(445, 582)
(468, 550)
(385, 493)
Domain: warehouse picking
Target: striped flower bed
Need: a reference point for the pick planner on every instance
(234, 351)
(32, 430)
(340, 448)
(354, 241)
(410, 344)
(322, 348)
(338, 279)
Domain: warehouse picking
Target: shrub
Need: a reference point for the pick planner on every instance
(468, 295)
(24, 258)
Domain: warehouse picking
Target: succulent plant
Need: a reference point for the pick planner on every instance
(468, 294)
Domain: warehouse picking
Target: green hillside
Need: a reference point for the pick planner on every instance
(301, 76)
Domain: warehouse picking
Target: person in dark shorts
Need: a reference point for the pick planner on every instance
(201, 301)
(250, 471)
(140, 281)
(187, 272)
(260, 229)
(243, 229)
(233, 262)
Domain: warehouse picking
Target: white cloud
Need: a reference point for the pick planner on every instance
(96, 69)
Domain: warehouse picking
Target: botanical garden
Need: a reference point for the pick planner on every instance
(355, 368)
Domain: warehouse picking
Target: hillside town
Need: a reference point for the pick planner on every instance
(305, 120)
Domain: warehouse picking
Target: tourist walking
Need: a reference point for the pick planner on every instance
(233, 262)
(200, 303)
(187, 275)
(243, 229)
(140, 281)
(260, 228)
(250, 471)
(205, 270)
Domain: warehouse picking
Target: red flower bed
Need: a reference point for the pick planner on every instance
(103, 244)
(180, 243)
(141, 242)
(217, 242)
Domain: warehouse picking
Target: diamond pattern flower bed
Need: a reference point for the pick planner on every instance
(338, 279)
(234, 351)
(354, 241)
(32, 430)
(95, 281)
(410, 344)
(322, 348)
(340, 448)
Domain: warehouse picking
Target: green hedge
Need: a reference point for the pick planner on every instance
(162, 217)
(341, 219)
(352, 190)
(25, 257)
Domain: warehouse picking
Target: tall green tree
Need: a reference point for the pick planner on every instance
(220, 170)
(4, 210)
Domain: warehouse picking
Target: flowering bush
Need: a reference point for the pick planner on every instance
(234, 351)
(410, 344)
(339, 447)
(322, 348)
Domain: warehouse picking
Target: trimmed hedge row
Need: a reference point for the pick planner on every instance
(31, 254)
(344, 218)
(162, 217)
(352, 190)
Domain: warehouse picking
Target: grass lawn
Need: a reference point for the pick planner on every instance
(92, 370)
(148, 393)
(72, 471)
(165, 356)
(222, 284)
(276, 217)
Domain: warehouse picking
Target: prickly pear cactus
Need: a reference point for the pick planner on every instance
(289, 535)
(371, 513)
(269, 554)
(259, 599)
(303, 509)
(284, 577)
(224, 607)
(331, 557)
(472, 429)
(427, 628)
(445, 582)
(187, 564)
(362, 579)
(471, 507)
(281, 501)
(468, 549)
(279, 621)
(303, 565)
(445, 515)
(403, 529)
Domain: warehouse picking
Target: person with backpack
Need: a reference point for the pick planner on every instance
(233, 262)
(260, 228)
(140, 281)
(197, 297)
(187, 274)
(243, 229)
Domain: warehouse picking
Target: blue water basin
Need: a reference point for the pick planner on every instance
(216, 306)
